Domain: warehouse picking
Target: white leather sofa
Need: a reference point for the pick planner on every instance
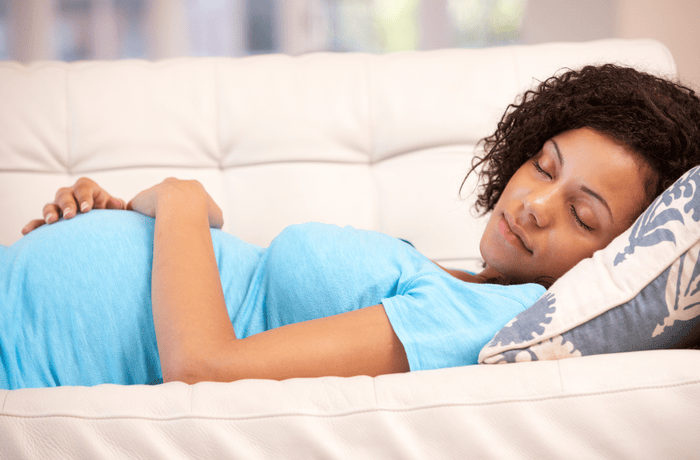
(377, 142)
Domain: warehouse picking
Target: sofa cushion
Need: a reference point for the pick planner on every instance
(641, 292)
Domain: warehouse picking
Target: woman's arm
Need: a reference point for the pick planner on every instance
(196, 340)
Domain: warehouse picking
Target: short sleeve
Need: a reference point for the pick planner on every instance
(443, 322)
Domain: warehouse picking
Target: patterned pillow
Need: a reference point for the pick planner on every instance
(641, 292)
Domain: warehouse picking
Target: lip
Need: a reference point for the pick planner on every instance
(513, 233)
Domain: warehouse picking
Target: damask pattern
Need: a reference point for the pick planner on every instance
(682, 299)
(650, 228)
(532, 321)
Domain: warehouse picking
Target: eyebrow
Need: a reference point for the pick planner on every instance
(583, 187)
(598, 197)
(556, 149)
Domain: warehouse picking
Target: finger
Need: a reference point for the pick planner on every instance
(103, 200)
(218, 220)
(33, 225)
(115, 203)
(84, 191)
(144, 201)
(65, 200)
(51, 213)
(91, 196)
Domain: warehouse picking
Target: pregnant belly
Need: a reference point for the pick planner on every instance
(77, 296)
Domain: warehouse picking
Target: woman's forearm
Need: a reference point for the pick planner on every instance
(189, 310)
(196, 340)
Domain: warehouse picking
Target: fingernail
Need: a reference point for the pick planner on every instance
(67, 213)
(84, 206)
(117, 203)
(48, 218)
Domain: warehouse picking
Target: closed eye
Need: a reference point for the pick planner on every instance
(578, 219)
(540, 170)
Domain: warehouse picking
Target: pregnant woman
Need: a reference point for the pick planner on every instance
(155, 294)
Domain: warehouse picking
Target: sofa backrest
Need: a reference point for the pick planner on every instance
(376, 142)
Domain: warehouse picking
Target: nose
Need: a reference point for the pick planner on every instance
(540, 206)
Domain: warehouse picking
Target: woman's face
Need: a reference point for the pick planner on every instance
(571, 199)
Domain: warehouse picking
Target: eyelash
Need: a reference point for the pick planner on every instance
(540, 170)
(578, 220)
(573, 209)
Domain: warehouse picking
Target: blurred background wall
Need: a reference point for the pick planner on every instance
(672, 22)
(154, 29)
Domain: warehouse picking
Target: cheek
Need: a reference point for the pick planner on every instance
(486, 241)
(569, 254)
(510, 192)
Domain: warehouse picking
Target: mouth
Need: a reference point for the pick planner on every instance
(513, 233)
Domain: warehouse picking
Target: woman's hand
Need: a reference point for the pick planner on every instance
(84, 195)
(183, 194)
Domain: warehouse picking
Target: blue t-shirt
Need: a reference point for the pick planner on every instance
(75, 297)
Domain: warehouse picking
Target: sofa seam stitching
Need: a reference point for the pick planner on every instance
(68, 124)
(217, 108)
(362, 411)
(372, 150)
(374, 389)
(4, 401)
(371, 163)
(561, 377)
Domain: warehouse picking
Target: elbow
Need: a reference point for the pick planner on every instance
(194, 364)
(180, 370)
(180, 363)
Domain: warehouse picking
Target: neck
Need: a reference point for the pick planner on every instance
(487, 275)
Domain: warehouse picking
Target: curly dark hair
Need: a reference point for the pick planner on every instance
(657, 119)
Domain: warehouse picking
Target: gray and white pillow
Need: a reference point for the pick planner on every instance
(641, 292)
